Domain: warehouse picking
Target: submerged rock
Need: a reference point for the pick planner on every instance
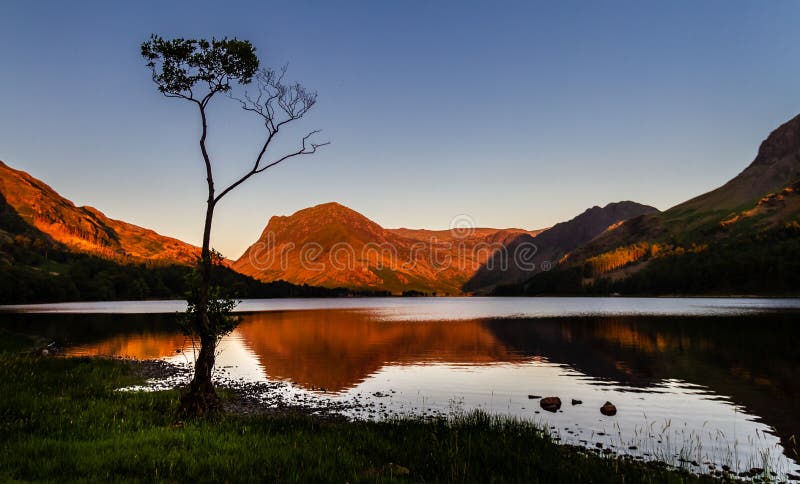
(551, 404)
(608, 409)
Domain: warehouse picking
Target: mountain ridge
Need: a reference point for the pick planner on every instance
(742, 235)
(86, 229)
(552, 244)
(332, 245)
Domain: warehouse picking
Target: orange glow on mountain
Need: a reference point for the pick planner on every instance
(86, 229)
(334, 246)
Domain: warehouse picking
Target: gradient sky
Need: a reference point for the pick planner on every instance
(516, 113)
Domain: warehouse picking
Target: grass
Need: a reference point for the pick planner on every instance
(62, 420)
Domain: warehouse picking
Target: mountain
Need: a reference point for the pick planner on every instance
(525, 255)
(743, 237)
(331, 245)
(51, 250)
(86, 229)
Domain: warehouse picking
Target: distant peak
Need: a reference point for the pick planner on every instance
(329, 208)
(630, 204)
(783, 140)
(318, 214)
(624, 205)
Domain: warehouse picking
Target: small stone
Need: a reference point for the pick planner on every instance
(608, 409)
(534, 397)
(576, 402)
(551, 404)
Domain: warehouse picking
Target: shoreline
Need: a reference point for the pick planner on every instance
(248, 399)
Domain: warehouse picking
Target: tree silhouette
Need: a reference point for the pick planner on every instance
(196, 70)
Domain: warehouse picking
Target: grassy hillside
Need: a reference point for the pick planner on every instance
(741, 238)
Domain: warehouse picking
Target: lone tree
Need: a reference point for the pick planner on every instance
(196, 70)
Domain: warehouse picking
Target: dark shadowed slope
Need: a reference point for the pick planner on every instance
(525, 254)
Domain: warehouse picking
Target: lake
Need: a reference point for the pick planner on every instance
(696, 381)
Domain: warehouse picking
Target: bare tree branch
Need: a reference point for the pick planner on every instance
(277, 104)
(307, 148)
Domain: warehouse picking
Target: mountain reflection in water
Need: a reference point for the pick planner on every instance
(337, 350)
(746, 363)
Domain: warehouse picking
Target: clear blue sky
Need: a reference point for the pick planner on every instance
(517, 113)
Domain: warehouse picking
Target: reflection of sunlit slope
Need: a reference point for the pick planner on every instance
(757, 368)
(336, 350)
(646, 338)
(140, 346)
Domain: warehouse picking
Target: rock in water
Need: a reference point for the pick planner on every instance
(551, 404)
(576, 402)
(532, 397)
(608, 409)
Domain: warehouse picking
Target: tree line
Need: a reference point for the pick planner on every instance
(763, 263)
(33, 270)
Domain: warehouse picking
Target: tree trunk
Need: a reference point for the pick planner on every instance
(201, 398)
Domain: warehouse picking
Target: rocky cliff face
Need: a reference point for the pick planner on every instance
(85, 229)
(776, 166)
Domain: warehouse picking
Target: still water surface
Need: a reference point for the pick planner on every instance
(705, 380)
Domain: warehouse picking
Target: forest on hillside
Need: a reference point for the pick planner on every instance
(761, 263)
